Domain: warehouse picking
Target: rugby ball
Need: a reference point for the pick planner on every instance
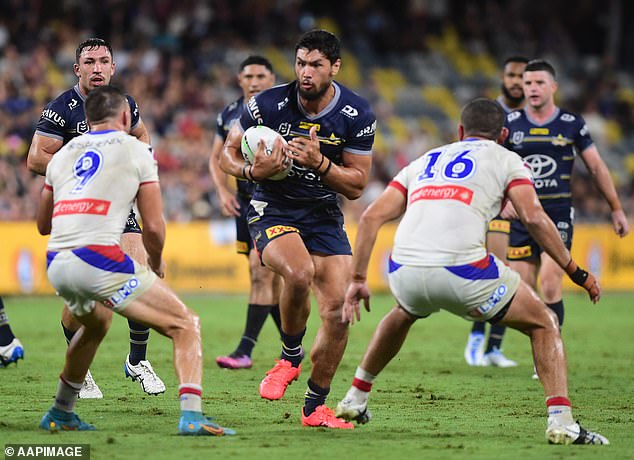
(249, 146)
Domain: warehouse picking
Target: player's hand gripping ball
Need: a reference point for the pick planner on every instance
(249, 146)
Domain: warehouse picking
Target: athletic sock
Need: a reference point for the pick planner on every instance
(314, 397)
(277, 318)
(190, 396)
(558, 308)
(292, 348)
(361, 386)
(6, 335)
(478, 326)
(256, 316)
(496, 334)
(66, 396)
(68, 334)
(559, 410)
(139, 335)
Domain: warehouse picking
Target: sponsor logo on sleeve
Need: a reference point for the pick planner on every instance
(368, 130)
(254, 110)
(53, 117)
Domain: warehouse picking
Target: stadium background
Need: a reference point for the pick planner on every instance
(417, 61)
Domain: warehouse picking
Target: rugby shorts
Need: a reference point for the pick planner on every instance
(476, 291)
(95, 273)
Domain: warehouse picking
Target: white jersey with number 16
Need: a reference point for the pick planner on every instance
(452, 193)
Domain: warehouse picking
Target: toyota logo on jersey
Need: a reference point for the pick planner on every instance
(541, 165)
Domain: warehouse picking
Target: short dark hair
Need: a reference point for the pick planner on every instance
(482, 117)
(323, 41)
(540, 64)
(516, 58)
(90, 44)
(103, 102)
(255, 59)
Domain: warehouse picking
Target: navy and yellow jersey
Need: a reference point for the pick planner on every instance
(506, 108)
(229, 115)
(64, 117)
(549, 148)
(347, 124)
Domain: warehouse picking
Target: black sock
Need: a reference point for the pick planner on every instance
(139, 334)
(292, 348)
(478, 326)
(277, 319)
(314, 397)
(6, 335)
(256, 316)
(558, 308)
(68, 334)
(495, 338)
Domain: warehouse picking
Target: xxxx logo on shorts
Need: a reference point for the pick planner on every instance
(519, 253)
(278, 230)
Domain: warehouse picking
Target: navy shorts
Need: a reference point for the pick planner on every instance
(523, 247)
(244, 244)
(131, 225)
(320, 226)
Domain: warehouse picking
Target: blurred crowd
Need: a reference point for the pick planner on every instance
(417, 62)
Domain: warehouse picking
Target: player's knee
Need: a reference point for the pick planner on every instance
(300, 279)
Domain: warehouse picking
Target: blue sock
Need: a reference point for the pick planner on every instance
(478, 326)
(314, 397)
(139, 334)
(558, 308)
(292, 348)
(496, 334)
(256, 316)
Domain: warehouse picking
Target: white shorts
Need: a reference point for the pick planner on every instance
(475, 291)
(90, 274)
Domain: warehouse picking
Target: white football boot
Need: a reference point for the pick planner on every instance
(496, 358)
(90, 390)
(572, 434)
(145, 375)
(11, 353)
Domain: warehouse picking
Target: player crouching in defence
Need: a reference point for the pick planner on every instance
(446, 198)
(90, 186)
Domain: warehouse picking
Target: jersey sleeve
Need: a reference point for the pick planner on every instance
(147, 165)
(134, 110)
(53, 120)
(362, 138)
(583, 140)
(220, 126)
(253, 114)
(516, 172)
(401, 181)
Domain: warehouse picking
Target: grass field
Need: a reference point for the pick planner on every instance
(427, 404)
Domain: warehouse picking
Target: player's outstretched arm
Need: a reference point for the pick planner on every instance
(45, 211)
(542, 228)
(602, 179)
(150, 206)
(40, 153)
(228, 203)
(390, 205)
